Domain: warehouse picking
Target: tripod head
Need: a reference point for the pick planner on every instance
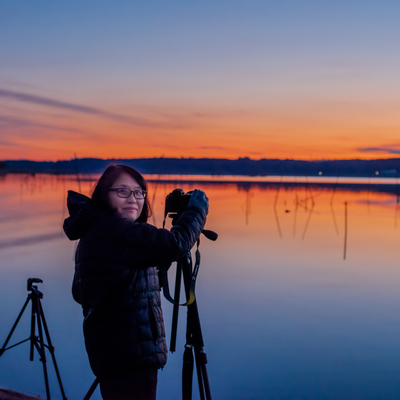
(34, 288)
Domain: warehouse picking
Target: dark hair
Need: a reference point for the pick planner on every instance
(110, 175)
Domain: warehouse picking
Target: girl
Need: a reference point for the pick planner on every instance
(116, 278)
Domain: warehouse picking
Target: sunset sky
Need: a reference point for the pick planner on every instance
(297, 79)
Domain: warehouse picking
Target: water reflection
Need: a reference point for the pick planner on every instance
(283, 314)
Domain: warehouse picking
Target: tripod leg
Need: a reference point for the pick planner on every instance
(51, 348)
(175, 311)
(194, 337)
(204, 384)
(41, 342)
(91, 389)
(187, 373)
(14, 326)
(33, 331)
(200, 376)
(200, 381)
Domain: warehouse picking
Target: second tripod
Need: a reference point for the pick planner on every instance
(37, 320)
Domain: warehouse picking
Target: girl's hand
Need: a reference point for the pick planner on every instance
(199, 199)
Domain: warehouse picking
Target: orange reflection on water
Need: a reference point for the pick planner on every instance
(263, 225)
(250, 218)
(268, 211)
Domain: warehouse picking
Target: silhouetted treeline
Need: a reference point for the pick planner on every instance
(214, 166)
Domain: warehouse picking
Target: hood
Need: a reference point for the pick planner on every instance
(81, 213)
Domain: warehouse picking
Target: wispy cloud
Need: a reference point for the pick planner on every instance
(23, 122)
(52, 103)
(395, 149)
(219, 148)
(29, 240)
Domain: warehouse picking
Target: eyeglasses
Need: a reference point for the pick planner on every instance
(138, 194)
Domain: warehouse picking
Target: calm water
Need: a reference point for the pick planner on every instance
(284, 315)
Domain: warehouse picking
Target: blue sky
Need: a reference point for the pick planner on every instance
(297, 79)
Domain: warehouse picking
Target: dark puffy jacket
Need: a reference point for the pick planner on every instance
(116, 282)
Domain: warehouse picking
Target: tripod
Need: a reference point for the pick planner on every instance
(37, 319)
(194, 337)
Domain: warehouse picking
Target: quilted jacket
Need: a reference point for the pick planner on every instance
(116, 282)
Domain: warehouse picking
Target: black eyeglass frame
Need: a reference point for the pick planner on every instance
(118, 192)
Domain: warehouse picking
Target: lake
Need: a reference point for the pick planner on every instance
(298, 298)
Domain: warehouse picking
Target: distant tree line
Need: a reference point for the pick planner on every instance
(215, 166)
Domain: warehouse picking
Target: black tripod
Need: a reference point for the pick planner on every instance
(194, 338)
(37, 319)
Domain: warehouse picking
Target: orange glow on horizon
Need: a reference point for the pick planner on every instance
(48, 151)
(293, 133)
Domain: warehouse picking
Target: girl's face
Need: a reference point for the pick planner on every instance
(129, 207)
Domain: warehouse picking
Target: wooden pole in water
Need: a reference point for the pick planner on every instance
(345, 230)
(275, 211)
(77, 173)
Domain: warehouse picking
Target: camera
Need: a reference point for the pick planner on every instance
(177, 201)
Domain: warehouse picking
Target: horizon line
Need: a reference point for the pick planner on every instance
(201, 158)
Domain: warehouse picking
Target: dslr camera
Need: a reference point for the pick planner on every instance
(177, 201)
